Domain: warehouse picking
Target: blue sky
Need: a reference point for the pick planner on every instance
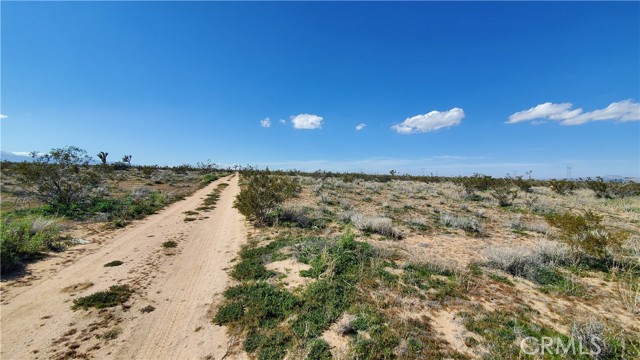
(449, 88)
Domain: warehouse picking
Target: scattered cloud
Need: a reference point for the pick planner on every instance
(266, 122)
(360, 127)
(625, 110)
(431, 121)
(27, 153)
(21, 153)
(307, 121)
(3, 116)
(282, 121)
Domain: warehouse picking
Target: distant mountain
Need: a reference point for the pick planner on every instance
(7, 156)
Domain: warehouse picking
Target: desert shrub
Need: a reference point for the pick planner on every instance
(138, 204)
(591, 336)
(477, 182)
(345, 204)
(62, 179)
(295, 216)
(25, 238)
(169, 244)
(116, 295)
(586, 233)
(504, 194)
(263, 193)
(148, 171)
(182, 169)
(418, 224)
(612, 189)
(346, 216)
(522, 183)
(538, 227)
(468, 224)
(209, 178)
(120, 166)
(538, 265)
(375, 225)
(562, 187)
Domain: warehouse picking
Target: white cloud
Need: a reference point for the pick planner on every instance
(266, 122)
(306, 121)
(21, 153)
(360, 127)
(27, 153)
(3, 116)
(431, 121)
(625, 110)
(282, 121)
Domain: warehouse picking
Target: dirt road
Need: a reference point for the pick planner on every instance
(176, 290)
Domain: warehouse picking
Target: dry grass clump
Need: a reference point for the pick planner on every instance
(41, 224)
(346, 216)
(537, 265)
(296, 216)
(345, 204)
(628, 291)
(518, 224)
(591, 336)
(633, 245)
(466, 223)
(375, 225)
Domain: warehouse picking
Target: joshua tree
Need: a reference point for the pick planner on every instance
(103, 157)
(127, 159)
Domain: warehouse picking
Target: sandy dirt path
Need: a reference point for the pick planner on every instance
(178, 287)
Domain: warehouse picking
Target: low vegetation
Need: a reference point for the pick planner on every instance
(262, 193)
(116, 295)
(113, 263)
(66, 186)
(169, 244)
(354, 294)
(27, 238)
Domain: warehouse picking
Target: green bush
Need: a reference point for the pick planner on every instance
(562, 187)
(612, 189)
(228, 313)
(263, 193)
(61, 179)
(134, 206)
(116, 295)
(25, 238)
(209, 178)
(585, 233)
(264, 305)
(504, 194)
(477, 182)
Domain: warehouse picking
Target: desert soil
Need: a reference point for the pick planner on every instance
(178, 288)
